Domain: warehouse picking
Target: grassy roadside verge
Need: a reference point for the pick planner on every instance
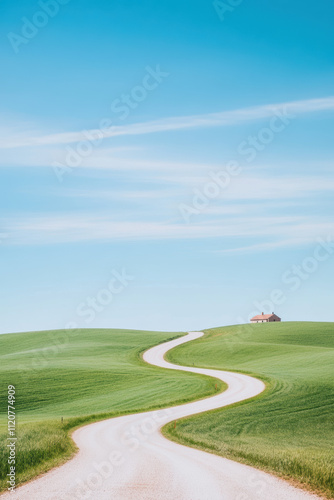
(82, 377)
(288, 430)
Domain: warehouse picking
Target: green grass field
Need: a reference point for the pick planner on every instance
(289, 429)
(81, 376)
(89, 375)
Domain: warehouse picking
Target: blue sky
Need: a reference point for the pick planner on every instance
(181, 151)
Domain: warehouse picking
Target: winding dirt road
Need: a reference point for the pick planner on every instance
(127, 458)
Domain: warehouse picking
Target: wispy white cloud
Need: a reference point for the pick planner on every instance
(69, 228)
(223, 118)
(103, 158)
(125, 195)
(248, 192)
(276, 188)
(258, 188)
(46, 156)
(264, 246)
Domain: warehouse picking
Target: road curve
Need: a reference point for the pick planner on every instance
(127, 458)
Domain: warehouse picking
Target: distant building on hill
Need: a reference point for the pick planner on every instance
(265, 318)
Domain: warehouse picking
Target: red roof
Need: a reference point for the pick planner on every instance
(263, 316)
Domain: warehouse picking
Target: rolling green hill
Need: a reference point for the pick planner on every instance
(289, 429)
(94, 374)
(81, 376)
